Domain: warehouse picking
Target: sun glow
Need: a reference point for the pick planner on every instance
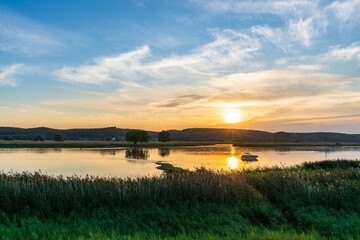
(232, 162)
(232, 116)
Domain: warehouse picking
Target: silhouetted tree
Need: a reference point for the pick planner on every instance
(136, 136)
(164, 152)
(38, 138)
(58, 138)
(164, 136)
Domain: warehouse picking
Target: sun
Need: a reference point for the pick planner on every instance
(232, 116)
(232, 162)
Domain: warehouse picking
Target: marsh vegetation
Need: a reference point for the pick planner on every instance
(308, 201)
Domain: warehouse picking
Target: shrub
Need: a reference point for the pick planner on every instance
(58, 138)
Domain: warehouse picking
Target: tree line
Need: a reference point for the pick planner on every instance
(135, 136)
(142, 136)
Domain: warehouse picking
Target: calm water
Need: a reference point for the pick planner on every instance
(127, 162)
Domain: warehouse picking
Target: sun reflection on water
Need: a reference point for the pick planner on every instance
(232, 162)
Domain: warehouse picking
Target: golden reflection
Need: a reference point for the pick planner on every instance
(232, 116)
(232, 162)
(232, 150)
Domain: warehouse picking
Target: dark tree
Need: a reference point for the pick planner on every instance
(58, 138)
(8, 138)
(164, 152)
(164, 136)
(38, 138)
(136, 136)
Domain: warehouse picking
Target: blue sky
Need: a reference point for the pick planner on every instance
(280, 65)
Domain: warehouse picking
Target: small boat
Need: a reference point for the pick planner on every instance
(249, 157)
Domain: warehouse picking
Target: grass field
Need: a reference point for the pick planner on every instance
(310, 201)
(112, 144)
(93, 144)
(291, 144)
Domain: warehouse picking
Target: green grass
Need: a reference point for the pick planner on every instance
(310, 201)
(112, 144)
(93, 144)
(293, 144)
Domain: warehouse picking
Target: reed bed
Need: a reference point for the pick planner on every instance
(320, 199)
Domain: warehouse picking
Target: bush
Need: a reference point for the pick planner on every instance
(58, 138)
(331, 164)
(38, 138)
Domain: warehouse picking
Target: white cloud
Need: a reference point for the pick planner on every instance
(303, 20)
(121, 67)
(279, 84)
(302, 31)
(229, 51)
(313, 67)
(343, 54)
(296, 31)
(283, 8)
(21, 35)
(345, 11)
(276, 36)
(7, 75)
(282, 61)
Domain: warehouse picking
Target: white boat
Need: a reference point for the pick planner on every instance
(249, 157)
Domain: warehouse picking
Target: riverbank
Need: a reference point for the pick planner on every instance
(95, 144)
(310, 201)
(290, 144)
(114, 144)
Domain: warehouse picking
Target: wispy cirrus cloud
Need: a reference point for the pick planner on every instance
(345, 11)
(229, 50)
(106, 69)
(337, 53)
(7, 75)
(312, 67)
(21, 35)
(303, 20)
(295, 82)
(277, 7)
(301, 31)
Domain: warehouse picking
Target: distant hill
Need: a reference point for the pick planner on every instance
(241, 135)
(190, 134)
(68, 134)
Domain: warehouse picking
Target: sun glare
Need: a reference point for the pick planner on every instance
(232, 162)
(232, 116)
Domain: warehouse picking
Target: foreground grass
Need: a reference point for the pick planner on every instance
(93, 144)
(310, 201)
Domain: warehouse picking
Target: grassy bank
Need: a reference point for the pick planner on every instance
(291, 144)
(93, 144)
(310, 201)
(111, 144)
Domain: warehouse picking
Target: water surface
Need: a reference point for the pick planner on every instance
(130, 162)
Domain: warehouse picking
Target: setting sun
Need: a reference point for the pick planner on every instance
(232, 162)
(232, 116)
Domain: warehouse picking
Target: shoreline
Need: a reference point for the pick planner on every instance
(95, 144)
(104, 144)
(284, 144)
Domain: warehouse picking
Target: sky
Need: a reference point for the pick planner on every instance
(281, 65)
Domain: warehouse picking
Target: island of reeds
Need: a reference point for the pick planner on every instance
(319, 200)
